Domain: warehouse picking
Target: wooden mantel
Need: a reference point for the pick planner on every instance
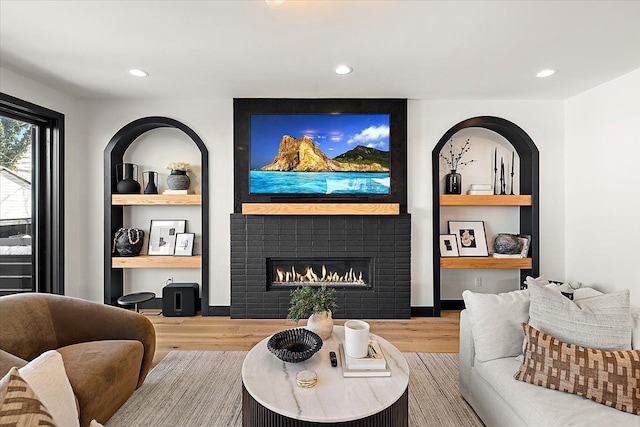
(321, 208)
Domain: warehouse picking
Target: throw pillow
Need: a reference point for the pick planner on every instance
(19, 404)
(602, 321)
(635, 327)
(607, 377)
(495, 322)
(47, 377)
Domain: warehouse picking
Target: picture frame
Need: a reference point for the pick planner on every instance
(449, 245)
(471, 237)
(184, 244)
(526, 243)
(162, 235)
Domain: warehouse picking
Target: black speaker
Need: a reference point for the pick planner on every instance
(179, 299)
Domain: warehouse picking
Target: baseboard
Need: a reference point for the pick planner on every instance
(422, 312)
(219, 310)
(225, 310)
(450, 304)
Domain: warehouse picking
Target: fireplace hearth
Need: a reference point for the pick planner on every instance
(372, 249)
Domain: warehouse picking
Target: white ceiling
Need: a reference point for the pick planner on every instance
(241, 48)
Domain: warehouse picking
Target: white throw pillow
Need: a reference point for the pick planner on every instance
(496, 322)
(47, 377)
(602, 321)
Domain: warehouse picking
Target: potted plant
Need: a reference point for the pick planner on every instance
(316, 303)
(178, 179)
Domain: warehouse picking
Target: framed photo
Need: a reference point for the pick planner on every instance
(449, 245)
(472, 240)
(162, 236)
(526, 242)
(184, 244)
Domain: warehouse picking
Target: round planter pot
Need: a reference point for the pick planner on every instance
(178, 180)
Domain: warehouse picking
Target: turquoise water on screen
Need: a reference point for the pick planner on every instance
(269, 182)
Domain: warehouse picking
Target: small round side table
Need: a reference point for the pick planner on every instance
(136, 298)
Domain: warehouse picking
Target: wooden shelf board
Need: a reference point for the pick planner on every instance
(485, 262)
(466, 200)
(160, 261)
(321, 208)
(156, 199)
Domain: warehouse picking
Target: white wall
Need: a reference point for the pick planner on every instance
(78, 281)
(212, 120)
(602, 185)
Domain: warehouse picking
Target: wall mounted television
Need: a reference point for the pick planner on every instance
(320, 150)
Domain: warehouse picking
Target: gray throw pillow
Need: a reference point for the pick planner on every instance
(602, 322)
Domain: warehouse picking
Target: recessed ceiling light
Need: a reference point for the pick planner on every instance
(343, 69)
(546, 73)
(138, 73)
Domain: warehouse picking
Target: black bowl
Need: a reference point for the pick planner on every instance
(294, 345)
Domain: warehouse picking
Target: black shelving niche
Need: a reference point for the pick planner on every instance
(529, 184)
(113, 215)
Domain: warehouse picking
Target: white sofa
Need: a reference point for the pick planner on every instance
(499, 399)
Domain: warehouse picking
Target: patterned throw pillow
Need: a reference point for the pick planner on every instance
(607, 377)
(19, 404)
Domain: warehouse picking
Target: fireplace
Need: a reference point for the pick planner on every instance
(379, 246)
(315, 272)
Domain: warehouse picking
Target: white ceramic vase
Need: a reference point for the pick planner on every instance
(321, 323)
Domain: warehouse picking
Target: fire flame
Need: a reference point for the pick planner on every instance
(310, 276)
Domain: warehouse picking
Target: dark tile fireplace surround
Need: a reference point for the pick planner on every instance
(385, 240)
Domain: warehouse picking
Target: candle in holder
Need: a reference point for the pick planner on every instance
(513, 153)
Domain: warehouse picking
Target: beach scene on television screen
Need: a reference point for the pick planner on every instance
(319, 154)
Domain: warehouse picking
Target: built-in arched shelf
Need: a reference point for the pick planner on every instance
(114, 212)
(527, 201)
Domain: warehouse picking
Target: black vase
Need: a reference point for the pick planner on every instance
(453, 183)
(152, 182)
(127, 179)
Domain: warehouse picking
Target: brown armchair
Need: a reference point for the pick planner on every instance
(107, 351)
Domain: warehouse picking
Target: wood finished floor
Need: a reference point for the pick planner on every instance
(420, 334)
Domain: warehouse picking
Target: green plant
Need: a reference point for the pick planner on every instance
(307, 300)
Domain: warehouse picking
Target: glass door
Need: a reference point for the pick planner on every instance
(16, 202)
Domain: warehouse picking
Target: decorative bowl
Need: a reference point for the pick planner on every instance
(294, 345)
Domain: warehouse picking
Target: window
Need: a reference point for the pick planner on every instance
(31, 198)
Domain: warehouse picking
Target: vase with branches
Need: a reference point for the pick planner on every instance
(453, 159)
(317, 304)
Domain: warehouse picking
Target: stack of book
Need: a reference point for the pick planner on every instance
(175, 192)
(480, 190)
(373, 365)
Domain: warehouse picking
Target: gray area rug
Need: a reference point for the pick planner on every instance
(203, 388)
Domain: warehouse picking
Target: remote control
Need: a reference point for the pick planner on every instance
(332, 357)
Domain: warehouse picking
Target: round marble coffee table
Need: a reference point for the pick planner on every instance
(271, 397)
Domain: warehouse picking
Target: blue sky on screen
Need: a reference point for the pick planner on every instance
(333, 133)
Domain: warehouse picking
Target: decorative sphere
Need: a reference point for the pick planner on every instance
(507, 244)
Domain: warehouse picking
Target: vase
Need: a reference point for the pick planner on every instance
(152, 182)
(321, 323)
(127, 176)
(178, 180)
(453, 183)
